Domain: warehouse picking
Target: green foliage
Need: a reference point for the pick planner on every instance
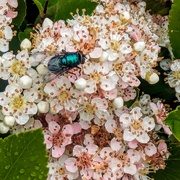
(23, 156)
(158, 7)
(174, 28)
(61, 9)
(21, 9)
(173, 121)
(171, 171)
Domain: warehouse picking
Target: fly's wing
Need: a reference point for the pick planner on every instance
(51, 76)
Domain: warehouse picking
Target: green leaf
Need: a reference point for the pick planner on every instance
(39, 6)
(61, 9)
(158, 7)
(173, 121)
(174, 28)
(21, 9)
(23, 156)
(25, 34)
(171, 172)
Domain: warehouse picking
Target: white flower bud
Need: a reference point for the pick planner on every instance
(152, 78)
(26, 44)
(104, 56)
(25, 82)
(47, 23)
(118, 102)
(43, 107)
(9, 120)
(3, 128)
(139, 46)
(80, 83)
(42, 69)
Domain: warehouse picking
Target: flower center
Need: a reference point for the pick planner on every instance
(18, 68)
(176, 75)
(136, 125)
(61, 171)
(64, 95)
(17, 102)
(84, 161)
(96, 76)
(1, 34)
(89, 109)
(114, 45)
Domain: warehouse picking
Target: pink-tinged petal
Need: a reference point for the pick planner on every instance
(143, 137)
(87, 174)
(128, 136)
(77, 128)
(133, 155)
(110, 126)
(51, 117)
(133, 144)
(11, 14)
(166, 129)
(70, 165)
(150, 149)
(57, 151)
(77, 150)
(96, 53)
(68, 130)
(66, 141)
(136, 113)
(48, 142)
(162, 147)
(92, 148)
(115, 144)
(105, 152)
(110, 94)
(13, 3)
(130, 169)
(148, 124)
(125, 119)
(54, 127)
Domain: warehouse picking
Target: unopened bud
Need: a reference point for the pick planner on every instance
(118, 102)
(26, 44)
(152, 78)
(9, 120)
(3, 128)
(25, 82)
(43, 107)
(80, 83)
(42, 69)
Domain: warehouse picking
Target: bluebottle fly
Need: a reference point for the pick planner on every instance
(62, 63)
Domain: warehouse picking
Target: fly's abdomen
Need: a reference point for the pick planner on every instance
(71, 59)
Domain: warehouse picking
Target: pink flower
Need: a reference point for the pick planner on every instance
(160, 113)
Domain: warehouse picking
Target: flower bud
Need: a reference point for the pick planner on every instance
(3, 128)
(118, 102)
(26, 44)
(80, 83)
(9, 120)
(42, 69)
(25, 82)
(152, 78)
(139, 46)
(47, 23)
(43, 107)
